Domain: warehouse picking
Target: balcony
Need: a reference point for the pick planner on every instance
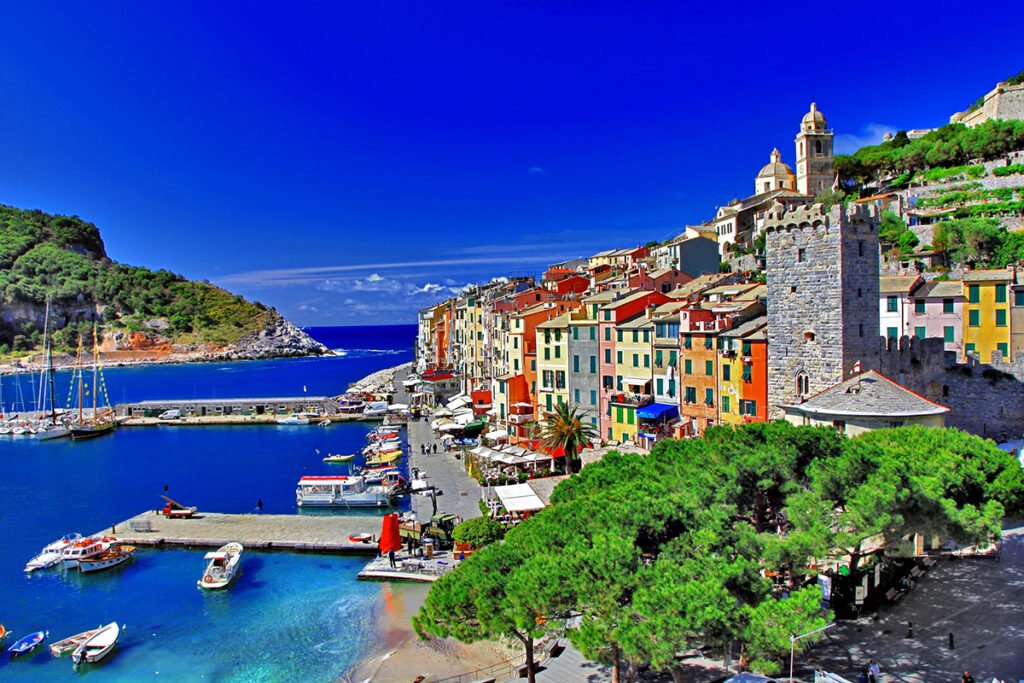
(626, 399)
(520, 419)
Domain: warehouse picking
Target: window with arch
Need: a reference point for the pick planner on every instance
(817, 147)
(803, 384)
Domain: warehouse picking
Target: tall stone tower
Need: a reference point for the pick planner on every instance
(815, 169)
(822, 269)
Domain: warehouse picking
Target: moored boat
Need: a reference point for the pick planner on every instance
(98, 646)
(114, 555)
(340, 491)
(222, 566)
(383, 458)
(75, 552)
(27, 644)
(292, 420)
(51, 554)
(71, 643)
(90, 429)
(339, 458)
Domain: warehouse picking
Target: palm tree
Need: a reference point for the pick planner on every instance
(566, 428)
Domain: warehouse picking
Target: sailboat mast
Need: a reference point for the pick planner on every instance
(95, 368)
(41, 401)
(53, 390)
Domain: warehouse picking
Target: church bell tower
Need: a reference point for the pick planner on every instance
(815, 169)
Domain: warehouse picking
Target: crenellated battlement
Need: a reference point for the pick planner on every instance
(815, 215)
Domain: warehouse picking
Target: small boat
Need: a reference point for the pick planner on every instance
(3, 632)
(27, 644)
(72, 554)
(71, 643)
(293, 420)
(98, 646)
(326, 422)
(339, 458)
(383, 458)
(222, 566)
(116, 554)
(51, 554)
(383, 446)
(360, 538)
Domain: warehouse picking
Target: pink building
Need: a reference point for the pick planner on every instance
(937, 310)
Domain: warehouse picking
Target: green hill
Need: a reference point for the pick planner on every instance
(63, 259)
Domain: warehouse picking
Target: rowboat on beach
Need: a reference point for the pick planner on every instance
(339, 458)
(71, 643)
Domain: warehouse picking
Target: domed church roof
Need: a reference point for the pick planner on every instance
(813, 120)
(775, 168)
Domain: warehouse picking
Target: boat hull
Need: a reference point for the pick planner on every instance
(101, 563)
(357, 500)
(98, 646)
(84, 432)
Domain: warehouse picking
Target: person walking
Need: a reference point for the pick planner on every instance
(967, 677)
(874, 671)
(391, 559)
(435, 449)
(259, 506)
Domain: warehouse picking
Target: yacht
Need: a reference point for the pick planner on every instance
(341, 491)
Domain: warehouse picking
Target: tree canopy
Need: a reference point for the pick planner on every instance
(642, 557)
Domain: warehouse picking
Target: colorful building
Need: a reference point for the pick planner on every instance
(552, 364)
(987, 313)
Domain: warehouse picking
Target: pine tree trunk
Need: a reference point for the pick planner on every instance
(531, 674)
(615, 665)
(678, 676)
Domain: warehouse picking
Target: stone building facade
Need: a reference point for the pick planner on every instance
(822, 271)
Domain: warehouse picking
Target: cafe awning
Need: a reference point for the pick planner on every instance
(636, 381)
(657, 411)
(519, 498)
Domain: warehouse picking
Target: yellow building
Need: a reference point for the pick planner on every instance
(634, 340)
(987, 313)
(552, 363)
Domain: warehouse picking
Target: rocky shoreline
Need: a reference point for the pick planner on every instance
(380, 381)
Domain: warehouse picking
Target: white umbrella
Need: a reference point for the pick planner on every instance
(398, 406)
(496, 435)
(450, 427)
(442, 411)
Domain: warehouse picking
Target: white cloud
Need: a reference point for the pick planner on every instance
(871, 134)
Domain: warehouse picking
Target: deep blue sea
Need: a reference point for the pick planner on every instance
(288, 617)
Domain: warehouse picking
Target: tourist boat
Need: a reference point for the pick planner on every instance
(383, 458)
(27, 644)
(351, 406)
(85, 548)
(340, 491)
(222, 566)
(114, 555)
(98, 646)
(71, 643)
(339, 458)
(293, 420)
(51, 554)
(375, 409)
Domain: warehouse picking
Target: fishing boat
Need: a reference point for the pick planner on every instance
(113, 556)
(3, 632)
(222, 566)
(293, 420)
(82, 549)
(101, 421)
(341, 491)
(384, 458)
(71, 643)
(51, 554)
(27, 644)
(339, 458)
(98, 646)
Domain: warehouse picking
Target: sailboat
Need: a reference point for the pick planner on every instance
(49, 428)
(98, 423)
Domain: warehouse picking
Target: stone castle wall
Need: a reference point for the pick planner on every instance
(985, 399)
(1003, 102)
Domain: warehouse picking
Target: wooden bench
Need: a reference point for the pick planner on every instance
(917, 572)
(140, 525)
(928, 562)
(893, 595)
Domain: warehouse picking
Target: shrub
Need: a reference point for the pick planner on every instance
(478, 532)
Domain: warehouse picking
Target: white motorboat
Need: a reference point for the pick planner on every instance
(82, 549)
(375, 409)
(51, 554)
(222, 566)
(47, 431)
(114, 555)
(341, 491)
(293, 420)
(98, 646)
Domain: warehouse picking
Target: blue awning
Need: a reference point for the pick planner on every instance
(656, 411)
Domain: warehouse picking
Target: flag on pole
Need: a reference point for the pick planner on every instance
(856, 369)
(835, 184)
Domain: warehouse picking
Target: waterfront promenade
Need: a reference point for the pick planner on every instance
(461, 492)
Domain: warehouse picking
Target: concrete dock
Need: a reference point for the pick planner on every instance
(301, 533)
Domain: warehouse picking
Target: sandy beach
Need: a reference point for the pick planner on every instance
(403, 658)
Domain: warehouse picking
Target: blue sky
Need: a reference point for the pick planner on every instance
(350, 163)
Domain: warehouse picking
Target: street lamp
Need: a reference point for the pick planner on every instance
(792, 645)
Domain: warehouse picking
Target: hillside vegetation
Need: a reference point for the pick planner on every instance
(63, 259)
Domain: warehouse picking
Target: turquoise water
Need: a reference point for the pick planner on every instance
(289, 617)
